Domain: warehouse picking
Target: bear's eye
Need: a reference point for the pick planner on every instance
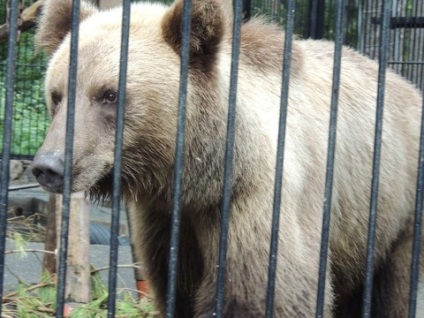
(56, 98)
(110, 97)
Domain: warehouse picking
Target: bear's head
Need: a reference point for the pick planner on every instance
(152, 88)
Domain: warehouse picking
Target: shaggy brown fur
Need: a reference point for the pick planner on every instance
(149, 150)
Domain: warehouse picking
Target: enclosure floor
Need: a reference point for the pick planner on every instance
(28, 267)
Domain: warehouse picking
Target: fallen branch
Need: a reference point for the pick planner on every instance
(136, 291)
(31, 250)
(119, 266)
(46, 310)
(9, 297)
(27, 20)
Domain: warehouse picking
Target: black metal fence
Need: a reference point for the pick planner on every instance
(386, 35)
(406, 36)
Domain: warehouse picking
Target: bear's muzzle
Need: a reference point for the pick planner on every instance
(48, 168)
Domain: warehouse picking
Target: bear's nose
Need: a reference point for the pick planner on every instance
(48, 168)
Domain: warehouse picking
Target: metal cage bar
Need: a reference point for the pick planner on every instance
(315, 28)
(331, 149)
(69, 141)
(415, 263)
(228, 159)
(119, 134)
(382, 61)
(7, 134)
(179, 160)
(278, 182)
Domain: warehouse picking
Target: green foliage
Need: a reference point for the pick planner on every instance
(30, 118)
(30, 301)
(3, 12)
(20, 242)
(126, 305)
(33, 301)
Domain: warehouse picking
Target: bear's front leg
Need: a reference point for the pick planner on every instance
(246, 276)
(391, 284)
(151, 227)
(245, 292)
(392, 280)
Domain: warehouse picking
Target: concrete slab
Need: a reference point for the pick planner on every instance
(27, 267)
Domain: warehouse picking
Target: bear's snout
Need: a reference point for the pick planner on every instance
(48, 168)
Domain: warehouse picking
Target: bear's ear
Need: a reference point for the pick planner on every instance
(207, 30)
(55, 22)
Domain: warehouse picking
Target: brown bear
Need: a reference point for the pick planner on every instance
(149, 150)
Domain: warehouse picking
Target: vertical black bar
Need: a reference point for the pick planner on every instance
(228, 165)
(67, 182)
(360, 27)
(278, 183)
(384, 42)
(415, 43)
(119, 135)
(179, 161)
(312, 22)
(328, 193)
(416, 247)
(374, 11)
(316, 19)
(247, 10)
(7, 133)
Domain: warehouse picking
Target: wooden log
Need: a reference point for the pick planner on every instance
(78, 274)
(49, 262)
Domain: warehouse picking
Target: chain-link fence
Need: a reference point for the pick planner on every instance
(30, 119)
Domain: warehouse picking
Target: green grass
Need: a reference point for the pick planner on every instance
(39, 301)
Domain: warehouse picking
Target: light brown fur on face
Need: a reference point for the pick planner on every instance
(149, 151)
